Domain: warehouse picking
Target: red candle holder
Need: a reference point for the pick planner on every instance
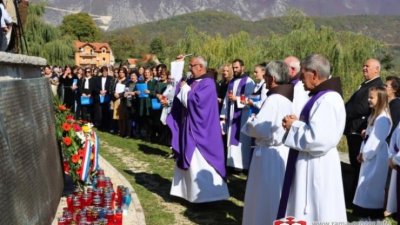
(118, 217)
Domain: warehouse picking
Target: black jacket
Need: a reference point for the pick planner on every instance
(107, 87)
(357, 108)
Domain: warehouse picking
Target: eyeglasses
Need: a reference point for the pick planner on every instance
(88, 71)
(193, 65)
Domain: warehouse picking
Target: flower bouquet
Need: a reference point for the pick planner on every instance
(79, 145)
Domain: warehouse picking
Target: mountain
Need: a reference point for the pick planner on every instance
(383, 28)
(114, 14)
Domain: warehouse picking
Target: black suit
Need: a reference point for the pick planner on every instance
(87, 110)
(102, 115)
(357, 113)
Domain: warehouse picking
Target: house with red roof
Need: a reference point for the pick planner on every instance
(93, 54)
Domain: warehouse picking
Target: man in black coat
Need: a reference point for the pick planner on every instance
(357, 113)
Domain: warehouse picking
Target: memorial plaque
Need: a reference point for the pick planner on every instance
(31, 174)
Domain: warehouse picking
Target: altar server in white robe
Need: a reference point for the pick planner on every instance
(316, 183)
(234, 114)
(259, 95)
(268, 163)
(370, 192)
(394, 164)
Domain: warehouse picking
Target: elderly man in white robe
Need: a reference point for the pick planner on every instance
(234, 114)
(313, 169)
(268, 163)
(300, 96)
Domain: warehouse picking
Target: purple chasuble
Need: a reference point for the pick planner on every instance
(292, 157)
(197, 126)
(237, 112)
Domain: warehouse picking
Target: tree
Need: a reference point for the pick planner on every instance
(45, 40)
(81, 26)
(157, 47)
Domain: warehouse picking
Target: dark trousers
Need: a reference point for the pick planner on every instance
(87, 112)
(105, 116)
(354, 142)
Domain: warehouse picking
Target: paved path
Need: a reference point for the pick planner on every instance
(135, 215)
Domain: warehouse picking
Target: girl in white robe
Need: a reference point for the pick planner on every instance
(370, 192)
(259, 95)
(268, 162)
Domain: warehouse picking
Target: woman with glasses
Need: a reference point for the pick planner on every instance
(87, 89)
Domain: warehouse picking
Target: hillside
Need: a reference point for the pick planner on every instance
(383, 28)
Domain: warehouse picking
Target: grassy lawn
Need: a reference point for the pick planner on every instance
(149, 171)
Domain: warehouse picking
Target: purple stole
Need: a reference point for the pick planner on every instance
(292, 158)
(182, 161)
(237, 115)
(295, 81)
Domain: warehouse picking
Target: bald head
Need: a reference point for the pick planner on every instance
(371, 69)
(294, 65)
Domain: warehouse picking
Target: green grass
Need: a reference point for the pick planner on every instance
(150, 174)
(153, 183)
(154, 212)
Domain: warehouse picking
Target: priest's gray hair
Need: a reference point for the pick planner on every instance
(318, 63)
(279, 70)
(201, 60)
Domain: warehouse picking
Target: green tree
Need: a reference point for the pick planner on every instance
(157, 47)
(81, 26)
(45, 40)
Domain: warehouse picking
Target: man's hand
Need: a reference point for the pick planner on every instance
(183, 83)
(288, 121)
(232, 98)
(180, 57)
(360, 158)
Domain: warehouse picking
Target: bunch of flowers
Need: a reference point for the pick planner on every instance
(79, 145)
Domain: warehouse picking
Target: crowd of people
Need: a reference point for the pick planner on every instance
(112, 100)
(283, 127)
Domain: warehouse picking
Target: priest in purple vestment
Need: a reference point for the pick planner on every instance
(199, 174)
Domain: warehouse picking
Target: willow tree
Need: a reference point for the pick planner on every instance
(45, 40)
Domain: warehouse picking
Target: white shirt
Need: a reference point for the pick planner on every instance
(86, 83)
(5, 18)
(103, 83)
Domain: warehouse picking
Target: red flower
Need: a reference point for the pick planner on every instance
(67, 141)
(66, 167)
(81, 152)
(76, 127)
(79, 171)
(70, 117)
(66, 126)
(62, 107)
(75, 158)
